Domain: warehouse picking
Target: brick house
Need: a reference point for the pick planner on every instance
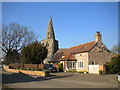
(88, 57)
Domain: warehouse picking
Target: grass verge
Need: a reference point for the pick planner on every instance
(5, 87)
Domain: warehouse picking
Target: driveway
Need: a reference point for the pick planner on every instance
(60, 80)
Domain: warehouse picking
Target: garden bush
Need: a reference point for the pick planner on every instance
(101, 72)
(60, 67)
(113, 67)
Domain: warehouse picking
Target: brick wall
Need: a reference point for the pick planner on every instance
(40, 73)
(27, 66)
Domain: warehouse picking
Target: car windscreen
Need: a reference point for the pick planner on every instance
(49, 65)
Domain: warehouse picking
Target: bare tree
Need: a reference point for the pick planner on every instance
(14, 36)
(116, 48)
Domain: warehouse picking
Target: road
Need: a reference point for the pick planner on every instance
(59, 80)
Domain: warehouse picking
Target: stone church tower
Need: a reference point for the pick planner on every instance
(50, 42)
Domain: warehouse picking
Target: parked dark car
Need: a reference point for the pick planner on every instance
(50, 68)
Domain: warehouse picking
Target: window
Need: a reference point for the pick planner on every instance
(80, 54)
(80, 64)
(74, 65)
(71, 65)
(47, 45)
(93, 62)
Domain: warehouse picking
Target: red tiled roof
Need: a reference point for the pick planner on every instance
(78, 49)
(69, 56)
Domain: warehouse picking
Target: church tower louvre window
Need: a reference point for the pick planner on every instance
(50, 42)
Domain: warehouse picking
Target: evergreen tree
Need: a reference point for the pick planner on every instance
(34, 53)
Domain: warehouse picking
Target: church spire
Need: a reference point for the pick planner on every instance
(50, 31)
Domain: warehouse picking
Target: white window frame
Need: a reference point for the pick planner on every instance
(72, 65)
(80, 64)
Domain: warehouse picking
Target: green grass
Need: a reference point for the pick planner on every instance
(5, 87)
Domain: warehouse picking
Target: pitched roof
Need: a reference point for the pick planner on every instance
(69, 56)
(78, 49)
(58, 54)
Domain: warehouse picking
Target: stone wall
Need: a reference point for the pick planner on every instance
(99, 56)
(52, 46)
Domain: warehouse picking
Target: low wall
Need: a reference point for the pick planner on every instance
(40, 73)
(26, 66)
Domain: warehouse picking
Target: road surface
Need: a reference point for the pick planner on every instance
(59, 80)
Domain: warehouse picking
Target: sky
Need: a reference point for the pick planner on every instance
(74, 23)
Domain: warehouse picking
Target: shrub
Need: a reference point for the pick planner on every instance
(12, 56)
(14, 66)
(119, 73)
(82, 72)
(73, 70)
(27, 68)
(60, 67)
(113, 67)
(101, 72)
(21, 68)
(32, 69)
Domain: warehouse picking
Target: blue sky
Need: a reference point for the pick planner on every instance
(74, 23)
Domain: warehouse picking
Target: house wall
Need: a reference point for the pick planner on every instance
(99, 56)
(66, 66)
(83, 57)
(63, 62)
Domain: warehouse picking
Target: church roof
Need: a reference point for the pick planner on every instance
(69, 54)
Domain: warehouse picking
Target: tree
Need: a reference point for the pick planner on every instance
(14, 36)
(34, 53)
(114, 66)
(116, 48)
(12, 56)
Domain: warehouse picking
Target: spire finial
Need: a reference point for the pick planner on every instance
(50, 19)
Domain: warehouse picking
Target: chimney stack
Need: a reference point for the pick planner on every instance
(98, 37)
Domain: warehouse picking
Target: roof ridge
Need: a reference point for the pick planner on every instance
(82, 44)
